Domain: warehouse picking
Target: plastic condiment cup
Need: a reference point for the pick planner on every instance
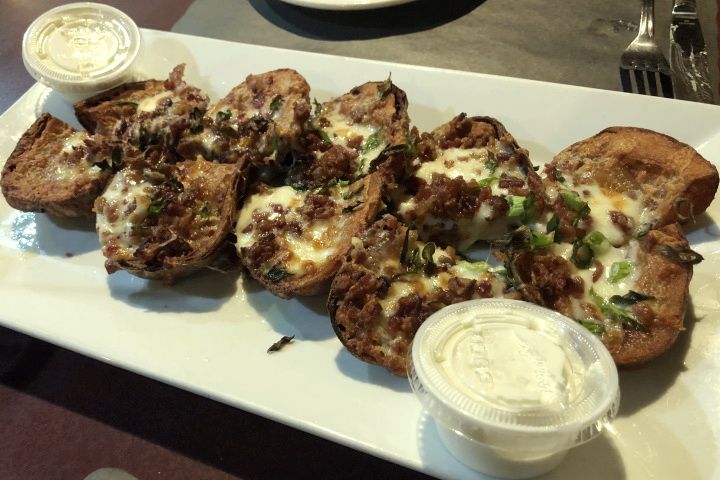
(82, 49)
(512, 386)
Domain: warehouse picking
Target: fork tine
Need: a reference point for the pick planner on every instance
(667, 88)
(625, 80)
(653, 83)
(640, 81)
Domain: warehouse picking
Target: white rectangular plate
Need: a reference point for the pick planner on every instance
(209, 333)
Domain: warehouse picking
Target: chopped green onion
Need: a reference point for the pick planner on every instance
(592, 326)
(486, 182)
(517, 207)
(630, 298)
(619, 270)
(615, 313)
(491, 163)
(277, 273)
(582, 255)
(541, 240)
(371, 143)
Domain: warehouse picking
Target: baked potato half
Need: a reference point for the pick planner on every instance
(159, 220)
(260, 120)
(390, 283)
(469, 182)
(146, 113)
(57, 169)
(293, 239)
(633, 296)
(355, 134)
(626, 180)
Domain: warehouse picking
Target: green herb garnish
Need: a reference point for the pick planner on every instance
(324, 136)
(619, 270)
(277, 273)
(348, 195)
(476, 267)
(221, 117)
(516, 205)
(678, 206)
(486, 182)
(384, 88)
(301, 187)
(406, 242)
(158, 205)
(352, 207)
(528, 208)
(573, 201)
(277, 103)
(427, 256)
(541, 240)
(630, 298)
(582, 254)
(371, 143)
(138, 229)
(592, 326)
(491, 163)
(205, 211)
(681, 254)
(323, 189)
(277, 346)
(617, 313)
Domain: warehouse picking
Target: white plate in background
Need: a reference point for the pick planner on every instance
(209, 333)
(346, 4)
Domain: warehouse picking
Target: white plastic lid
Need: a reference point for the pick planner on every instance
(513, 376)
(81, 48)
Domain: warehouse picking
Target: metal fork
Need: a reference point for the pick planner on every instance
(645, 60)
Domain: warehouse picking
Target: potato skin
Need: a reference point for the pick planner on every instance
(667, 280)
(319, 281)
(661, 167)
(26, 186)
(222, 183)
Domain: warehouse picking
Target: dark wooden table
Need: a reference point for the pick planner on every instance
(63, 415)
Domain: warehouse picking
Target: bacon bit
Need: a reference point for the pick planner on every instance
(598, 271)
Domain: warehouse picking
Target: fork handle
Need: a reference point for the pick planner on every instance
(647, 18)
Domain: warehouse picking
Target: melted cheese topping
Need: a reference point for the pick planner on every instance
(603, 287)
(73, 141)
(341, 131)
(127, 202)
(318, 242)
(151, 103)
(468, 164)
(601, 202)
(72, 162)
(423, 285)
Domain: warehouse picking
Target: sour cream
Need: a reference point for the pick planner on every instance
(81, 49)
(512, 386)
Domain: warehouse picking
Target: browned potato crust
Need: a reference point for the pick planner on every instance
(44, 174)
(666, 280)
(627, 158)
